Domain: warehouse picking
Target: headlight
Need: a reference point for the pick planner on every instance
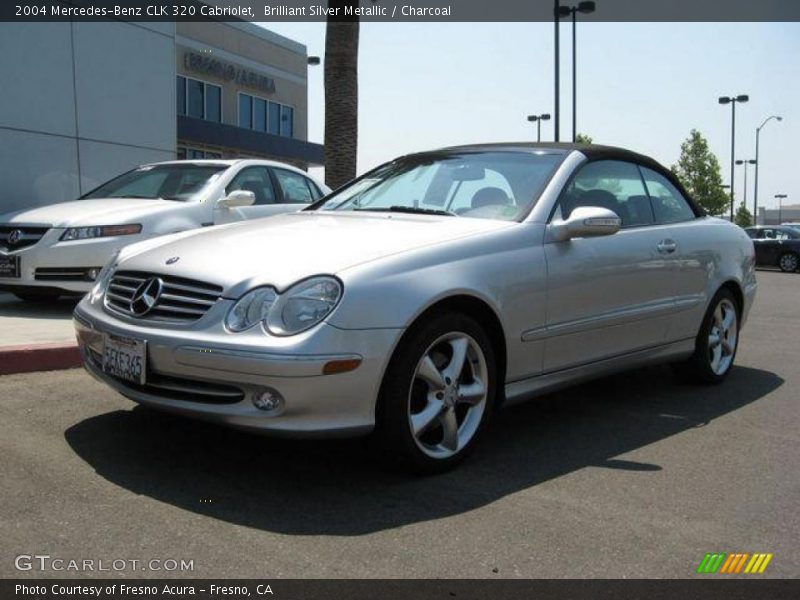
(299, 308)
(304, 305)
(252, 308)
(85, 233)
(104, 278)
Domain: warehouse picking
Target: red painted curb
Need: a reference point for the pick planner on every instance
(38, 357)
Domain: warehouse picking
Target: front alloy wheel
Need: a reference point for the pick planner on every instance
(448, 395)
(437, 395)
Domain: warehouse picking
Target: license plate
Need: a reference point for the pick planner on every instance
(125, 358)
(9, 267)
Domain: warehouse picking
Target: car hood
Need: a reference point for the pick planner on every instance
(284, 249)
(96, 211)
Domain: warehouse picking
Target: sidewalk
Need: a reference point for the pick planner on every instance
(36, 337)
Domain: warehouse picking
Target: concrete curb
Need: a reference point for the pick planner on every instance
(39, 357)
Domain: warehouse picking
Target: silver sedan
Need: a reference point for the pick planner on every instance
(416, 300)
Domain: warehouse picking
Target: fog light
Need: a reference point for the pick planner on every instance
(92, 273)
(268, 400)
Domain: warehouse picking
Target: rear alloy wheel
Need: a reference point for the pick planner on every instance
(718, 340)
(437, 395)
(788, 262)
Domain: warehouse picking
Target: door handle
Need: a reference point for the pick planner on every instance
(667, 246)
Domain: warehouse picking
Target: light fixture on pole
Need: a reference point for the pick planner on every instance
(538, 120)
(758, 133)
(733, 101)
(566, 11)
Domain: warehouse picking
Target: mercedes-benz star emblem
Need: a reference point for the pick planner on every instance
(146, 296)
(14, 237)
(173, 260)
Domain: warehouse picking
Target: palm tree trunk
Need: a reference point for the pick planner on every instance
(341, 97)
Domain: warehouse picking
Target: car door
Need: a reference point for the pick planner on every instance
(768, 246)
(255, 179)
(610, 295)
(295, 189)
(694, 253)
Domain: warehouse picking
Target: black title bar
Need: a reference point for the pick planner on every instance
(389, 10)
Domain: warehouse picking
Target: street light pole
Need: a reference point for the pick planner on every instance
(557, 121)
(566, 11)
(755, 191)
(733, 100)
(781, 198)
(746, 163)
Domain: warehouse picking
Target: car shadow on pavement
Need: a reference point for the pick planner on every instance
(334, 488)
(11, 306)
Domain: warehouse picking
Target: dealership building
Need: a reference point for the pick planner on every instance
(85, 101)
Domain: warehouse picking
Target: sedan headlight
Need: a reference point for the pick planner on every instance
(299, 308)
(86, 233)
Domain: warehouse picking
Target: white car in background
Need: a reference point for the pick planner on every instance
(60, 249)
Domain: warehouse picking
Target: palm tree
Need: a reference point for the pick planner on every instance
(341, 97)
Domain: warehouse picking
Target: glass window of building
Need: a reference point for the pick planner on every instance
(213, 103)
(180, 95)
(195, 94)
(245, 111)
(287, 121)
(259, 114)
(274, 118)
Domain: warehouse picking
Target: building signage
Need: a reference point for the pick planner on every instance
(209, 65)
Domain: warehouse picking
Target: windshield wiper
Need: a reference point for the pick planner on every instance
(411, 210)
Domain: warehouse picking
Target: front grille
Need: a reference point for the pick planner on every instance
(27, 236)
(181, 300)
(177, 388)
(65, 273)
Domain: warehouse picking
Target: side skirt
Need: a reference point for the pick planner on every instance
(525, 389)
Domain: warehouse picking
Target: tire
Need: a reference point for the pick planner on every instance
(788, 262)
(37, 296)
(717, 342)
(422, 389)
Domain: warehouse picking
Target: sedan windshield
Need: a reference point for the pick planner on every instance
(486, 185)
(165, 182)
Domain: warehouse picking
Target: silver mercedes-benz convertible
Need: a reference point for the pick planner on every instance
(413, 302)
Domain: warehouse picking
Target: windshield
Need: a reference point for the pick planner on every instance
(166, 182)
(484, 185)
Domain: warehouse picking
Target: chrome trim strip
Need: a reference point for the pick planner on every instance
(524, 389)
(609, 319)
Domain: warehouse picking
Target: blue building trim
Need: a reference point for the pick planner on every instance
(230, 136)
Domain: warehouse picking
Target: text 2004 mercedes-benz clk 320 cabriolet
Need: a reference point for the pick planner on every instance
(412, 302)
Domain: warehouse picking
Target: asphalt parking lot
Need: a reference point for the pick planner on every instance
(636, 475)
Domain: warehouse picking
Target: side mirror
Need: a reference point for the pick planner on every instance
(587, 221)
(237, 198)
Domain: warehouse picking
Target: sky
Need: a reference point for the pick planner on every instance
(642, 86)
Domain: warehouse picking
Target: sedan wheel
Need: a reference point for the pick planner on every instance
(788, 262)
(448, 395)
(437, 395)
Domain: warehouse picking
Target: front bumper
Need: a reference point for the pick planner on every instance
(205, 372)
(56, 265)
